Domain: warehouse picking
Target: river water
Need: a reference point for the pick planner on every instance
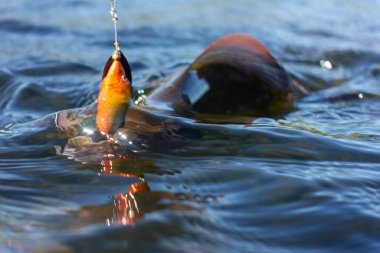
(308, 181)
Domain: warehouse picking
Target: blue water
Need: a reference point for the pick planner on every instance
(308, 181)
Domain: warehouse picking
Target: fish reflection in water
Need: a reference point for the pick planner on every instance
(131, 205)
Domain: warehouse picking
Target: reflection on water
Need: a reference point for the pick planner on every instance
(307, 181)
(129, 206)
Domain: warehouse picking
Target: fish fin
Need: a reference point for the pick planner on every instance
(247, 56)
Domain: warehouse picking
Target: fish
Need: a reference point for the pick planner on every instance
(234, 76)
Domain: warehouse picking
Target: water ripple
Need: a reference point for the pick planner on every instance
(307, 181)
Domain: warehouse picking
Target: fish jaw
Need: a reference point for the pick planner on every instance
(114, 98)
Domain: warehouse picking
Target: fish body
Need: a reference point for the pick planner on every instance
(234, 75)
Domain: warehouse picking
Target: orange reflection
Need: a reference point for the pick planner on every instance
(130, 206)
(108, 168)
(127, 208)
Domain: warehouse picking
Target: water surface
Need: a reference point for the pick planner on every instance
(308, 181)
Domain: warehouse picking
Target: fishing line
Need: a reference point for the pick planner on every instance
(114, 20)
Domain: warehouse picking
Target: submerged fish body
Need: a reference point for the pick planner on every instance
(236, 75)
